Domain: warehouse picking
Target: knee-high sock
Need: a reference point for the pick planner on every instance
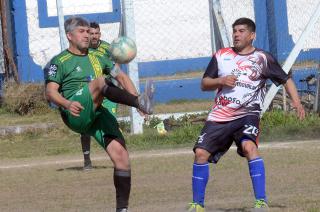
(257, 174)
(122, 183)
(199, 182)
(85, 144)
(121, 96)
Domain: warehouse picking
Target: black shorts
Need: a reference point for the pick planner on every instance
(217, 137)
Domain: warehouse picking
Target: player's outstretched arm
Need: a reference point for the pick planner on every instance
(209, 84)
(53, 95)
(296, 103)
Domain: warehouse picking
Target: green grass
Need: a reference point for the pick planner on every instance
(9, 119)
(162, 182)
(275, 125)
(179, 137)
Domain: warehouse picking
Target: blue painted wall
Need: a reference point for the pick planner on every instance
(301, 74)
(261, 19)
(1, 87)
(171, 67)
(166, 91)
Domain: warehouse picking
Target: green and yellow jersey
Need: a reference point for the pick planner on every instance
(73, 71)
(104, 48)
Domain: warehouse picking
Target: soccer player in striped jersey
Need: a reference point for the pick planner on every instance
(239, 75)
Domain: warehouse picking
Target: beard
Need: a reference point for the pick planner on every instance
(83, 47)
(94, 43)
(239, 46)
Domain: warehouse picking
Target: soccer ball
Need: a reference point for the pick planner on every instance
(123, 49)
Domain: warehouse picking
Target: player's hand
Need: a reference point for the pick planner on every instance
(229, 81)
(75, 108)
(300, 110)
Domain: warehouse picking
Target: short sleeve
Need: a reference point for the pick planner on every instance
(53, 71)
(274, 72)
(212, 69)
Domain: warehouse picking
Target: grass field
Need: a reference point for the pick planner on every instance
(42, 170)
(161, 181)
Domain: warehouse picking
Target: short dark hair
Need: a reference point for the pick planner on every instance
(245, 21)
(74, 21)
(94, 25)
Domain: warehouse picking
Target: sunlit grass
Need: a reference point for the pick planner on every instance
(59, 140)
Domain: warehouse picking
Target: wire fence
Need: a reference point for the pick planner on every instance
(174, 40)
(168, 30)
(305, 68)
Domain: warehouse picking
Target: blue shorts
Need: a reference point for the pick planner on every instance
(217, 137)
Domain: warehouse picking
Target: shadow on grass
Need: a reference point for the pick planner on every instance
(233, 209)
(80, 168)
(245, 209)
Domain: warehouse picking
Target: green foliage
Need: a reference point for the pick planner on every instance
(278, 118)
(184, 135)
(2, 111)
(314, 210)
(124, 126)
(154, 121)
(278, 125)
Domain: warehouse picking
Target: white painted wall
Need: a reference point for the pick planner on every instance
(44, 42)
(165, 29)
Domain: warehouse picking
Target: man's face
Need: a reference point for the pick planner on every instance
(242, 37)
(95, 36)
(79, 37)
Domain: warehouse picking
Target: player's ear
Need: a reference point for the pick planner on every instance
(68, 34)
(253, 35)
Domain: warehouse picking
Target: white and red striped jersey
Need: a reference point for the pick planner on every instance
(252, 71)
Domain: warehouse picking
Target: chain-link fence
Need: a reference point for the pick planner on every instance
(168, 30)
(174, 46)
(173, 39)
(307, 68)
(43, 31)
(300, 36)
(165, 30)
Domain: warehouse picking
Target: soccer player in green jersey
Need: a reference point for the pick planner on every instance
(96, 42)
(102, 47)
(75, 83)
